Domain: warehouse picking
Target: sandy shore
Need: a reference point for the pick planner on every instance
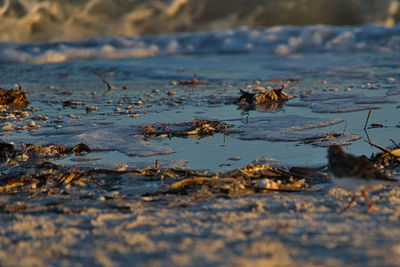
(67, 213)
(116, 227)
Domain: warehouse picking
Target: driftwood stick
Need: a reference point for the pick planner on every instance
(109, 87)
(366, 122)
(383, 149)
(394, 143)
(345, 127)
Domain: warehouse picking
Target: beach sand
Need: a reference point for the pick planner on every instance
(118, 228)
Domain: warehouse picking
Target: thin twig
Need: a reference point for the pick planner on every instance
(109, 87)
(366, 122)
(394, 143)
(369, 140)
(383, 149)
(345, 127)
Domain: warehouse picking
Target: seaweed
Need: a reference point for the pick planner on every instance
(193, 82)
(49, 178)
(196, 128)
(247, 180)
(31, 152)
(13, 98)
(271, 100)
(388, 158)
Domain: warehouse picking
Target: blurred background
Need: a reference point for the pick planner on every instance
(56, 20)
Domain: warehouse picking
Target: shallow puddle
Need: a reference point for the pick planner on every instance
(70, 105)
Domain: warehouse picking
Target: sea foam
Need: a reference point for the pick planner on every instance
(277, 40)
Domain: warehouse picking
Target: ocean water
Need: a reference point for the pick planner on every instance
(336, 74)
(276, 40)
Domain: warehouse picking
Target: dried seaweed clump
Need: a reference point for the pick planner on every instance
(195, 128)
(271, 100)
(387, 160)
(193, 82)
(31, 152)
(48, 177)
(13, 98)
(251, 179)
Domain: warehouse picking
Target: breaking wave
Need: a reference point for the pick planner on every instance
(279, 40)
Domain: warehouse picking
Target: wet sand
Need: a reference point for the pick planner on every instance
(117, 224)
(100, 227)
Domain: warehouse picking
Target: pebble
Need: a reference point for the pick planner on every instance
(8, 127)
(12, 116)
(25, 114)
(91, 108)
(171, 93)
(259, 89)
(268, 184)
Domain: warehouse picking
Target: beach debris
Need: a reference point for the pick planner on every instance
(46, 176)
(109, 86)
(73, 103)
(250, 179)
(280, 80)
(193, 82)
(13, 98)
(196, 128)
(6, 150)
(31, 152)
(271, 100)
(376, 125)
(388, 158)
(50, 178)
(81, 149)
(366, 122)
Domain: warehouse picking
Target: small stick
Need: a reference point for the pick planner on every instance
(345, 127)
(366, 123)
(369, 140)
(109, 87)
(383, 149)
(394, 143)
